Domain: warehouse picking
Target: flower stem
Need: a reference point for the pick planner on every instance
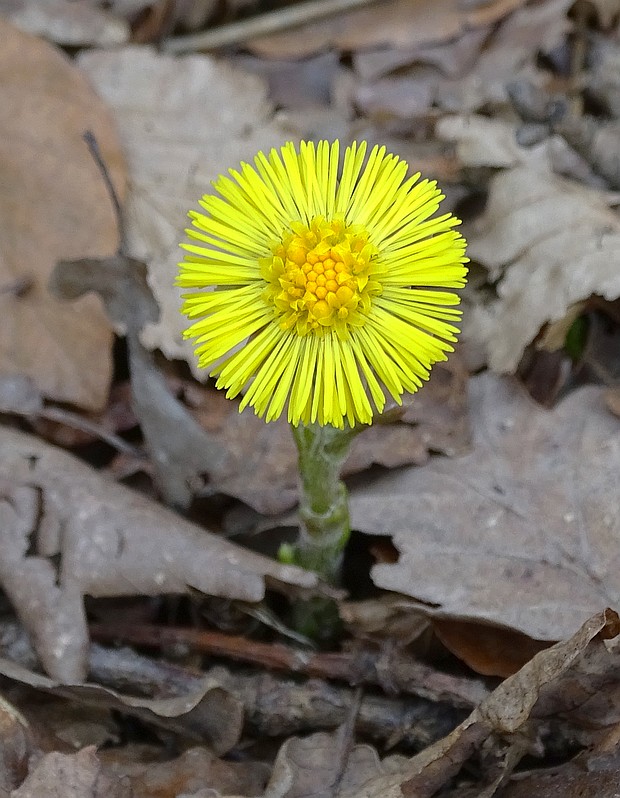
(323, 507)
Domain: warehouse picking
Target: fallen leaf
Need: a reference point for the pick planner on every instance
(399, 23)
(196, 768)
(522, 531)
(504, 712)
(111, 541)
(66, 22)
(453, 58)
(465, 73)
(72, 776)
(207, 711)
(180, 450)
(321, 766)
(265, 474)
(53, 204)
(512, 51)
(481, 140)
(488, 650)
(552, 243)
(182, 121)
(17, 745)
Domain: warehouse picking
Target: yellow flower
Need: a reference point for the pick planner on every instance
(333, 276)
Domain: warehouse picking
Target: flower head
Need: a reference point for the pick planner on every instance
(333, 274)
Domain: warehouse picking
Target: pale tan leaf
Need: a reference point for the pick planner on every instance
(553, 243)
(67, 22)
(525, 695)
(53, 204)
(397, 23)
(182, 121)
(109, 541)
(523, 531)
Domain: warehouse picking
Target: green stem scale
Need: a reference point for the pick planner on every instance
(323, 507)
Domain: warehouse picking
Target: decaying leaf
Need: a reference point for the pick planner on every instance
(552, 243)
(53, 204)
(181, 451)
(66, 22)
(505, 711)
(111, 541)
(521, 532)
(78, 775)
(206, 712)
(17, 745)
(321, 766)
(465, 73)
(182, 121)
(265, 474)
(399, 23)
(196, 768)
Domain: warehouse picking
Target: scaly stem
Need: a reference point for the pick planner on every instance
(323, 507)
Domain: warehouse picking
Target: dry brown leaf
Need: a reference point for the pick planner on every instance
(67, 22)
(264, 474)
(461, 74)
(523, 531)
(17, 745)
(196, 768)
(506, 710)
(207, 712)
(553, 243)
(399, 23)
(481, 140)
(181, 452)
(511, 52)
(489, 650)
(453, 58)
(53, 204)
(78, 775)
(182, 121)
(110, 541)
(607, 11)
(322, 766)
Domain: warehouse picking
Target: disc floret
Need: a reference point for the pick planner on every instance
(322, 276)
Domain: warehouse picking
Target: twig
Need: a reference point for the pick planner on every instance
(283, 19)
(75, 421)
(276, 706)
(359, 667)
(93, 148)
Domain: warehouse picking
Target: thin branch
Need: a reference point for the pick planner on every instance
(93, 148)
(356, 667)
(69, 419)
(273, 22)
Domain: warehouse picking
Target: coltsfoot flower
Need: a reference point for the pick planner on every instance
(332, 275)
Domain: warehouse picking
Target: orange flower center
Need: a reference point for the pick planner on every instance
(319, 276)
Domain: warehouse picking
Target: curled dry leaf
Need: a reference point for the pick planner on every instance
(396, 23)
(206, 711)
(265, 474)
(182, 121)
(110, 541)
(196, 768)
(552, 243)
(523, 531)
(53, 204)
(180, 450)
(507, 709)
(66, 22)
(78, 775)
(17, 746)
(322, 765)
